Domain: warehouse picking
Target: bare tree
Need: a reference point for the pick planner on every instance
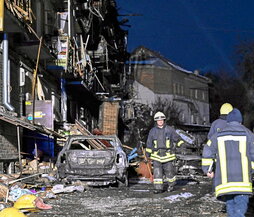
(226, 88)
(140, 126)
(245, 52)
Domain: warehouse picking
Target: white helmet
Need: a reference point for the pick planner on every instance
(159, 116)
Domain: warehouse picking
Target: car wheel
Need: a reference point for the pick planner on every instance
(58, 176)
(60, 173)
(124, 182)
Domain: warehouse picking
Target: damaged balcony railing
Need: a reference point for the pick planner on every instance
(22, 9)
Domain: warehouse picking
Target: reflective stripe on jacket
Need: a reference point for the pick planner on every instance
(233, 149)
(159, 143)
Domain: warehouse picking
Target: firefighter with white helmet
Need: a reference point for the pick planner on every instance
(221, 122)
(159, 148)
(159, 116)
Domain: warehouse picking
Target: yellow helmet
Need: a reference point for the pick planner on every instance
(159, 116)
(25, 202)
(226, 108)
(11, 212)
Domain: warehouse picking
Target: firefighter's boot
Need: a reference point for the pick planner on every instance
(157, 191)
(170, 188)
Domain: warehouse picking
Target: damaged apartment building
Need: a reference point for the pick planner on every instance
(153, 79)
(60, 59)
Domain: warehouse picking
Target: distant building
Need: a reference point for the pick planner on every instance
(155, 76)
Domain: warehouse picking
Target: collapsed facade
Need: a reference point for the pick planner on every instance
(60, 60)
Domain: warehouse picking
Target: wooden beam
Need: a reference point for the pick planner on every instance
(85, 132)
(35, 77)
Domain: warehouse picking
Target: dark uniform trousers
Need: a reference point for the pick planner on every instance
(161, 170)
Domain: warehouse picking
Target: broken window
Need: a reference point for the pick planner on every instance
(80, 144)
(87, 144)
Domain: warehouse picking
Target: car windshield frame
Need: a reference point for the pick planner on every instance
(116, 142)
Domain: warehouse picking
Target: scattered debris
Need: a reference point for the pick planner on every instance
(177, 197)
(16, 192)
(61, 189)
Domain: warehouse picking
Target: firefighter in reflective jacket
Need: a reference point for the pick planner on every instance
(233, 149)
(221, 122)
(159, 148)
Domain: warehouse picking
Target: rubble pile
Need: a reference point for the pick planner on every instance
(29, 194)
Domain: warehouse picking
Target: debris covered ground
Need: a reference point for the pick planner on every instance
(190, 198)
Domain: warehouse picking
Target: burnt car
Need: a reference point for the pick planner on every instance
(97, 160)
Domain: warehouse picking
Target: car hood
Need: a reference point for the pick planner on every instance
(90, 159)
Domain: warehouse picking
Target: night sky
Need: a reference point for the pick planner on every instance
(195, 34)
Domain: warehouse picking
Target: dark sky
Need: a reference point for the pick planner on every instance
(195, 34)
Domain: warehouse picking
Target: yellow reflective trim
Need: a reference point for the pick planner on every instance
(223, 159)
(180, 143)
(167, 143)
(149, 150)
(167, 160)
(244, 159)
(155, 154)
(209, 142)
(233, 187)
(163, 160)
(158, 181)
(233, 184)
(155, 143)
(2, 15)
(171, 180)
(252, 165)
(171, 155)
(168, 155)
(206, 161)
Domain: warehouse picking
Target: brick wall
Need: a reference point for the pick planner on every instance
(8, 141)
